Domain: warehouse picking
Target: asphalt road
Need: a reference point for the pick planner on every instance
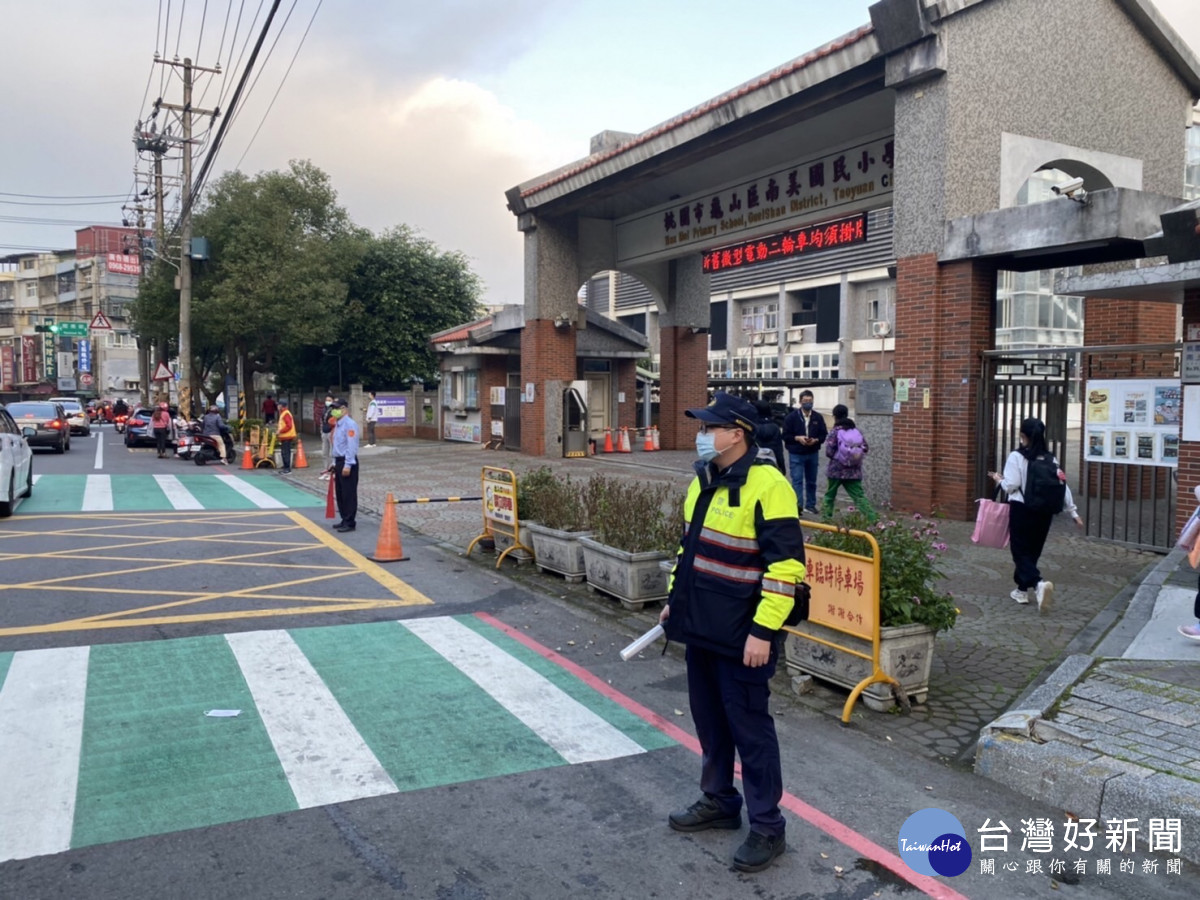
(425, 729)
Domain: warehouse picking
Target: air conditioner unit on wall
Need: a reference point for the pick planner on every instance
(881, 329)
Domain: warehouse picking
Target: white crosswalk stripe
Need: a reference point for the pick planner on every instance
(180, 497)
(261, 499)
(98, 495)
(41, 706)
(323, 755)
(568, 726)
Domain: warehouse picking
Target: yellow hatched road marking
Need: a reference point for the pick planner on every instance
(404, 593)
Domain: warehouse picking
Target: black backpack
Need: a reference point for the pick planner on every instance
(1044, 490)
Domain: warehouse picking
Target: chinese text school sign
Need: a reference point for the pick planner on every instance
(845, 591)
(836, 183)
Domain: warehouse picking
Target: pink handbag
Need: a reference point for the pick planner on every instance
(991, 524)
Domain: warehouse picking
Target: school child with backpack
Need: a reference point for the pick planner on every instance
(846, 447)
(1037, 491)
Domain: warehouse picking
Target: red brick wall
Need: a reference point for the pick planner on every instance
(1189, 451)
(547, 353)
(943, 323)
(1114, 322)
(684, 384)
(627, 412)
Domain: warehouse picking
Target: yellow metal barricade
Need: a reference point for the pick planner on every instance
(500, 514)
(845, 601)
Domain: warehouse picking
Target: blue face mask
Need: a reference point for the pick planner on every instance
(807, 407)
(706, 446)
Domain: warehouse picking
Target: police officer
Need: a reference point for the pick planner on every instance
(345, 465)
(731, 590)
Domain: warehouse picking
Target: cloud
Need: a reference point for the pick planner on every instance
(438, 157)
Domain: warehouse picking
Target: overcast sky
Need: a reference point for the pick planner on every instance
(422, 113)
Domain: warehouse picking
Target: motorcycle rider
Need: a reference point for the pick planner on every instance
(212, 424)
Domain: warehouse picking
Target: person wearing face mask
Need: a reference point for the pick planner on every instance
(732, 589)
(804, 431)
(1028, 521)
(345, 466)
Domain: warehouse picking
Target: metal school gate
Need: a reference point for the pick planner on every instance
(1126, 503)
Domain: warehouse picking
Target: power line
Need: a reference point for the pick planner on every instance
(64, 196)
(271, 105)
(179, 35)
(198, 184)
(266, 59)
(200, 40)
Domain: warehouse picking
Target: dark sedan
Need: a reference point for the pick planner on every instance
(138, 432)
(48, 420)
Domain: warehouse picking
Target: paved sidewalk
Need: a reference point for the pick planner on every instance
(1090, 706)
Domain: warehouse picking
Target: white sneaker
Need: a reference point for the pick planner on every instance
(1020, 596)
(1045, 595)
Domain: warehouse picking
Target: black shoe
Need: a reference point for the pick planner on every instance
(811, 509)
(344, 528)
(340, 523)
(757, 852)
(287, 471)
(703, 815)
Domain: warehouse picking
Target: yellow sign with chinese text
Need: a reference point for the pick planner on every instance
(845, 591)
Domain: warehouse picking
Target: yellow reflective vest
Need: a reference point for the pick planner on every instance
(740, 559)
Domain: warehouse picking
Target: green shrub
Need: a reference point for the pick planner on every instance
(908, 554)
(632, 515)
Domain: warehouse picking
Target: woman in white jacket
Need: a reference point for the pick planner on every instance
(1028, 528)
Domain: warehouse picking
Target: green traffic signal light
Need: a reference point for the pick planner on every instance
(54, 328)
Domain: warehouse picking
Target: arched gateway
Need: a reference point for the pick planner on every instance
(931, 118)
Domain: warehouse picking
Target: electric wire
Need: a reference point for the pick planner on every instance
(179, 35)
(64, 196)
(271, 105)
(266, 59)
(206, 166)
(200, 40)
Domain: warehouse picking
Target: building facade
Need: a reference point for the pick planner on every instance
(85, 294)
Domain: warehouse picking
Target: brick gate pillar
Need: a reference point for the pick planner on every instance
(944, 319)
(548, 338)
(683, 374)
(1189, 451)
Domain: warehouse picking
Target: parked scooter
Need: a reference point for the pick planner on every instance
(202, 448)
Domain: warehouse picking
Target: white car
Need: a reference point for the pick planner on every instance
(77, 416)
(16, 464)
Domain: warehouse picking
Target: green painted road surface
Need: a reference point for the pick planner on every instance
(147, 493)
(112, 742)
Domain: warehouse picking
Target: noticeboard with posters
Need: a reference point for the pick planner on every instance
(1133, 421)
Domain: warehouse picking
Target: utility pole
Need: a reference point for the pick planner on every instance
(185, 230)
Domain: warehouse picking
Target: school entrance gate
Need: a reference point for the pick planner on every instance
(1112, 419)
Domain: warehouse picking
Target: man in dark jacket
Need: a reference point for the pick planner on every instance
(732, 588)
(804, 432)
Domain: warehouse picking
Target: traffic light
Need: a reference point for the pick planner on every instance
(50, 327)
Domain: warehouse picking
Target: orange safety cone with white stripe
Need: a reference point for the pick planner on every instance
(624, 445)
(301, 461)
(247, 458)
(608, 444)
(387, 547)
(648, 441)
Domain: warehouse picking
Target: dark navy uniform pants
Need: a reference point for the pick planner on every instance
(345, 490)
(729, 706)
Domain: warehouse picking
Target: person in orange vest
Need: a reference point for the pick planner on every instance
(287, 434)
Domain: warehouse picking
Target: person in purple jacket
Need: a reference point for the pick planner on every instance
(846, 448)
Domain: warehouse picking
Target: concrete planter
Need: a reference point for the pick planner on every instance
(558, 551)
(633, 578)
(504, 541)
(905, 653)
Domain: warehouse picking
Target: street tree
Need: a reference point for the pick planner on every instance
(403, 289)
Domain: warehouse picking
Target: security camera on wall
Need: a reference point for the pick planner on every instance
(1068, 188)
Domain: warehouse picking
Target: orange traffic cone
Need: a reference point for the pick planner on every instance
(301, 461)
(608, 445)
(624, 447)
(648, 442)
(330, 512)
(387, 547)
(247, 458)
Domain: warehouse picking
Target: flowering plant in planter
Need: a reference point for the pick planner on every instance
(909, 549)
